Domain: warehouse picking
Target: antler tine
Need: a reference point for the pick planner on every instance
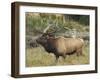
(67, 28)
(45, 30)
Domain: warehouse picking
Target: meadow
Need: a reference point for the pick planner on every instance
(39, 57)
(62, 25)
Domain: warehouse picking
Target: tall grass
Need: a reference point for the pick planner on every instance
(39, 57)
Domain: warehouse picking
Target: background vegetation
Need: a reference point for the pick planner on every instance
(62, 25)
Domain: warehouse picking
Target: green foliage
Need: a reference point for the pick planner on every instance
(84, 20)
(60, 22)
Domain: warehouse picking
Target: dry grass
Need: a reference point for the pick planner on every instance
(39, 57)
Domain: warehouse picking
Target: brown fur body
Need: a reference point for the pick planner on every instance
(62, 46)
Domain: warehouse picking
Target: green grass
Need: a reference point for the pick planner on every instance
(39, 57)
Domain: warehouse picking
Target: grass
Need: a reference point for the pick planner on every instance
(39, 57)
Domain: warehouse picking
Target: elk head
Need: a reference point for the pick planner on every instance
(42, 39)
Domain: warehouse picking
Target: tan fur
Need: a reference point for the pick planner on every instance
(68, 45)
(61, 46)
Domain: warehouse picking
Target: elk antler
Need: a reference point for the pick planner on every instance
(45, 30)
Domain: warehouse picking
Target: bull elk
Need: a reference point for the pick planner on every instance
(60, 46)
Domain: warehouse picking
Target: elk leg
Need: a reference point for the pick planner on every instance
(64, 56)
(57, 57)
(56, 60)
(79, 52)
